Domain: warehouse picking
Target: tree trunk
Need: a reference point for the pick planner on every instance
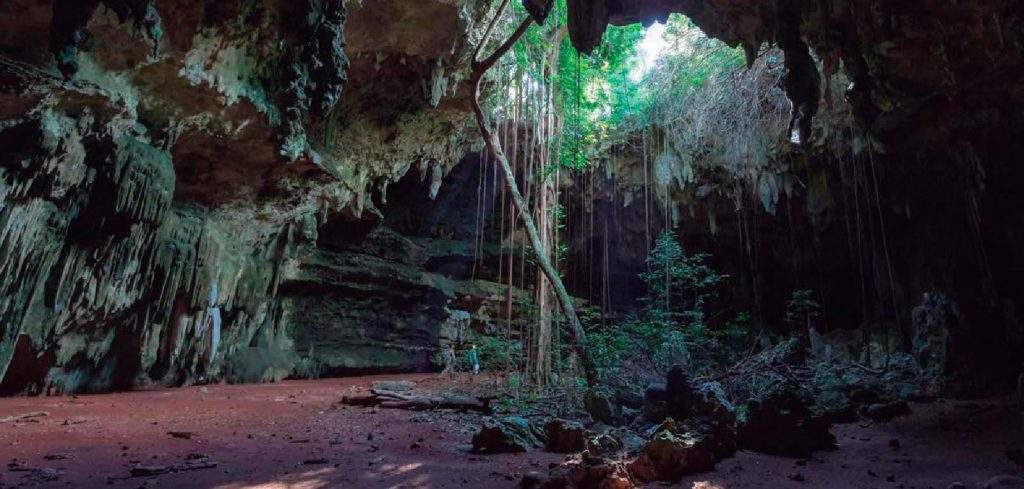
(540, 253)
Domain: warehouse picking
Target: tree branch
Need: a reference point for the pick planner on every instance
(489, 30)
(577, 334)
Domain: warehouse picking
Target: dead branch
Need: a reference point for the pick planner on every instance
(420, 402)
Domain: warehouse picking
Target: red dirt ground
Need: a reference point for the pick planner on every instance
(263, 435)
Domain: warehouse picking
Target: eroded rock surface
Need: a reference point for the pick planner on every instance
(191, 191)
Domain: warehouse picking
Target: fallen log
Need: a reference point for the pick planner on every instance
(420, 402)
(24, 417)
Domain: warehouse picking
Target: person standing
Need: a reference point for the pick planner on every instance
(474, 359)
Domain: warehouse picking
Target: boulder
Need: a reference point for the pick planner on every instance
(673, 453)
(613, 441)
(604, 445)
(512, 434)
(655, 403)
(564, 437)
(933, 322)
(631, 441)
(629, 398)
(602, 409)
(590, 473)
(681, 397)
(782, 423)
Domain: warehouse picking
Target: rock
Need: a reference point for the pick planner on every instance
(196, 461)
(671, 454)
(885, 412)
(903, 379)
(506, 435)
(796, 476)
(933, 322)
(590, 473)
(153, 235)
(602, 409)
(629, 440)
(193, 461)
(699, 409)
(628, 398)
(682, 399)
(783, 424)
(680, 394)
(44, 475)
(564, 437)
(533, 480)
(603, 445)
(832, 394)
(655, 403)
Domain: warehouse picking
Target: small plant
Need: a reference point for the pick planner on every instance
(498, 353)
(802, 310)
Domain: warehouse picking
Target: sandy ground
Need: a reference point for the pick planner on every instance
(295, 435)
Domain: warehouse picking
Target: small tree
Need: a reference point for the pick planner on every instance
(679, 285)
(802, 310)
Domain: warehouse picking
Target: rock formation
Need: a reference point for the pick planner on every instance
(191, 191)
(196, 191)
(904, 184)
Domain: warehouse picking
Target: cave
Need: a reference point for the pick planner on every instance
(705, 244)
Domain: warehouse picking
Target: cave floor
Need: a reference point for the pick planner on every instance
(294, 434)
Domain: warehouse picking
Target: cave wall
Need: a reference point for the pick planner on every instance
(909, 63)
(172, 172)
(917, 193)
(195, 191)
(871, 234)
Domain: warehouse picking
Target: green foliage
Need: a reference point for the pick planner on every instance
(593, 94)
(673, 326)
(801, 309)
(498, 353)
(495, 354)
(690, 62)
(698, 92)
(679, 285)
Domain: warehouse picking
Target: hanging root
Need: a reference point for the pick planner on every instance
(540, 252)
